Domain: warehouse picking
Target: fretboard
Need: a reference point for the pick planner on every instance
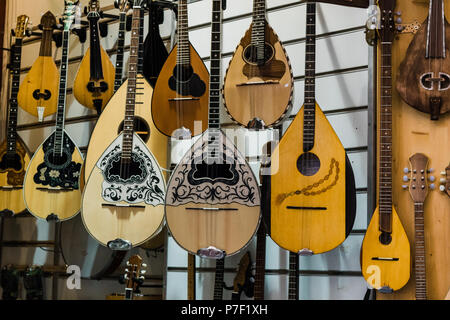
(260, 263)
(183, 53)
(436, 30)
(293, 276)
(385, 142)
(46, 43)
(141, 44)
(309, 117)
(127, 143)
(420, 274)
(259, 28)
(16, 52)
(60, 114)
(191, 277)
(120, 52)
(95, 58)
(218, 279)
(215, 69)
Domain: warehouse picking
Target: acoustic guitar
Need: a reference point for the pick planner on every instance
(445, 182)
(418, 189)
(180, 101)
(38, 91)
(385, 251)
(52, 180)
(423, 78)
(259, 83)
(212, 200)
(218, 279)
(310, 191)
(14, 155)
(123, 201)
(94, 82)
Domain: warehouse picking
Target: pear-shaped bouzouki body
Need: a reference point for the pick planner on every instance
(213, 205)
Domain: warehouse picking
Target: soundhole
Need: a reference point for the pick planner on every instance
(251, 55)
(128, 170)
(213, 171)
(38, 95)
(11, 161)
(141, 127)
(308, 164)
(57, 161)
(183, 73)
(385, 238)
(445, 83)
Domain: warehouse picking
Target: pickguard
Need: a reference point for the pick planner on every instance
(222, 182)
(138, 180)
(58, 171)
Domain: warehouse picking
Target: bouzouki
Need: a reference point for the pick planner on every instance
(52, 180)
(418, 189)
(310, 189)
(181, 91)
(155, 51)
(218, 279)
(212, 199)
(14, 155)
(38, 91)
(385, 251)
(259, 83)
(123, 201)
(293, 293)
(94, 83)
(423, 79)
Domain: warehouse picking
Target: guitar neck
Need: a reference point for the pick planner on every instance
(436, 30)
(96, 58)
(293, 276)
(258, 28)
(260, 263)
(183, 53)
(191, 277)
(141, 43)
(60, 115)
(385, 142)
(420, 263)
(120, 51)
(309, 108)
(215, 69)
(11, 130)
(46, 43)
(218, 279)
(127, 143)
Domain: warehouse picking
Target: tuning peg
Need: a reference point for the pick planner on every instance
(398, 13)
(406, 170)
(126, 270)
(144, 265)
(432, 186)
(399, 20)
(442, 188)
(405, 178)
(443, 173)
(431, 178)
(431, 170)
(141, 278)
(126, 277)
(442, 180)
(404, 186)
(143, 271)
(128, 263)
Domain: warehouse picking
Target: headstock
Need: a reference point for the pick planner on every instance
(418, 179)
(137, 3)
(22, 26)
(122, 5)
(133, 275)
(48, 21)
(387, 27)
(69, 13)
(94, 9)
(445, 182)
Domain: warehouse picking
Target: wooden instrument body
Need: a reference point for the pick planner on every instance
(305, 208)
(64, 203)
(169, 114)
(415, 65)
(190, 199)
(11, 180)
(83, 78)
(379, 273)
(268, 102)
(109, 123)
(131, 210)
(43, 76)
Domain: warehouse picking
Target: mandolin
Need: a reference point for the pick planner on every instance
(418, 189)
(180, 101)
(385, 251)
(212, 199)
(259, 83)
(423, 79)
(218, 279)
(123, 201)
(14, 155)
(94, 82)
(52, 180)
(294, 265)
(38, 91)
(155, 51)
(310, 189)
(445, 182)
